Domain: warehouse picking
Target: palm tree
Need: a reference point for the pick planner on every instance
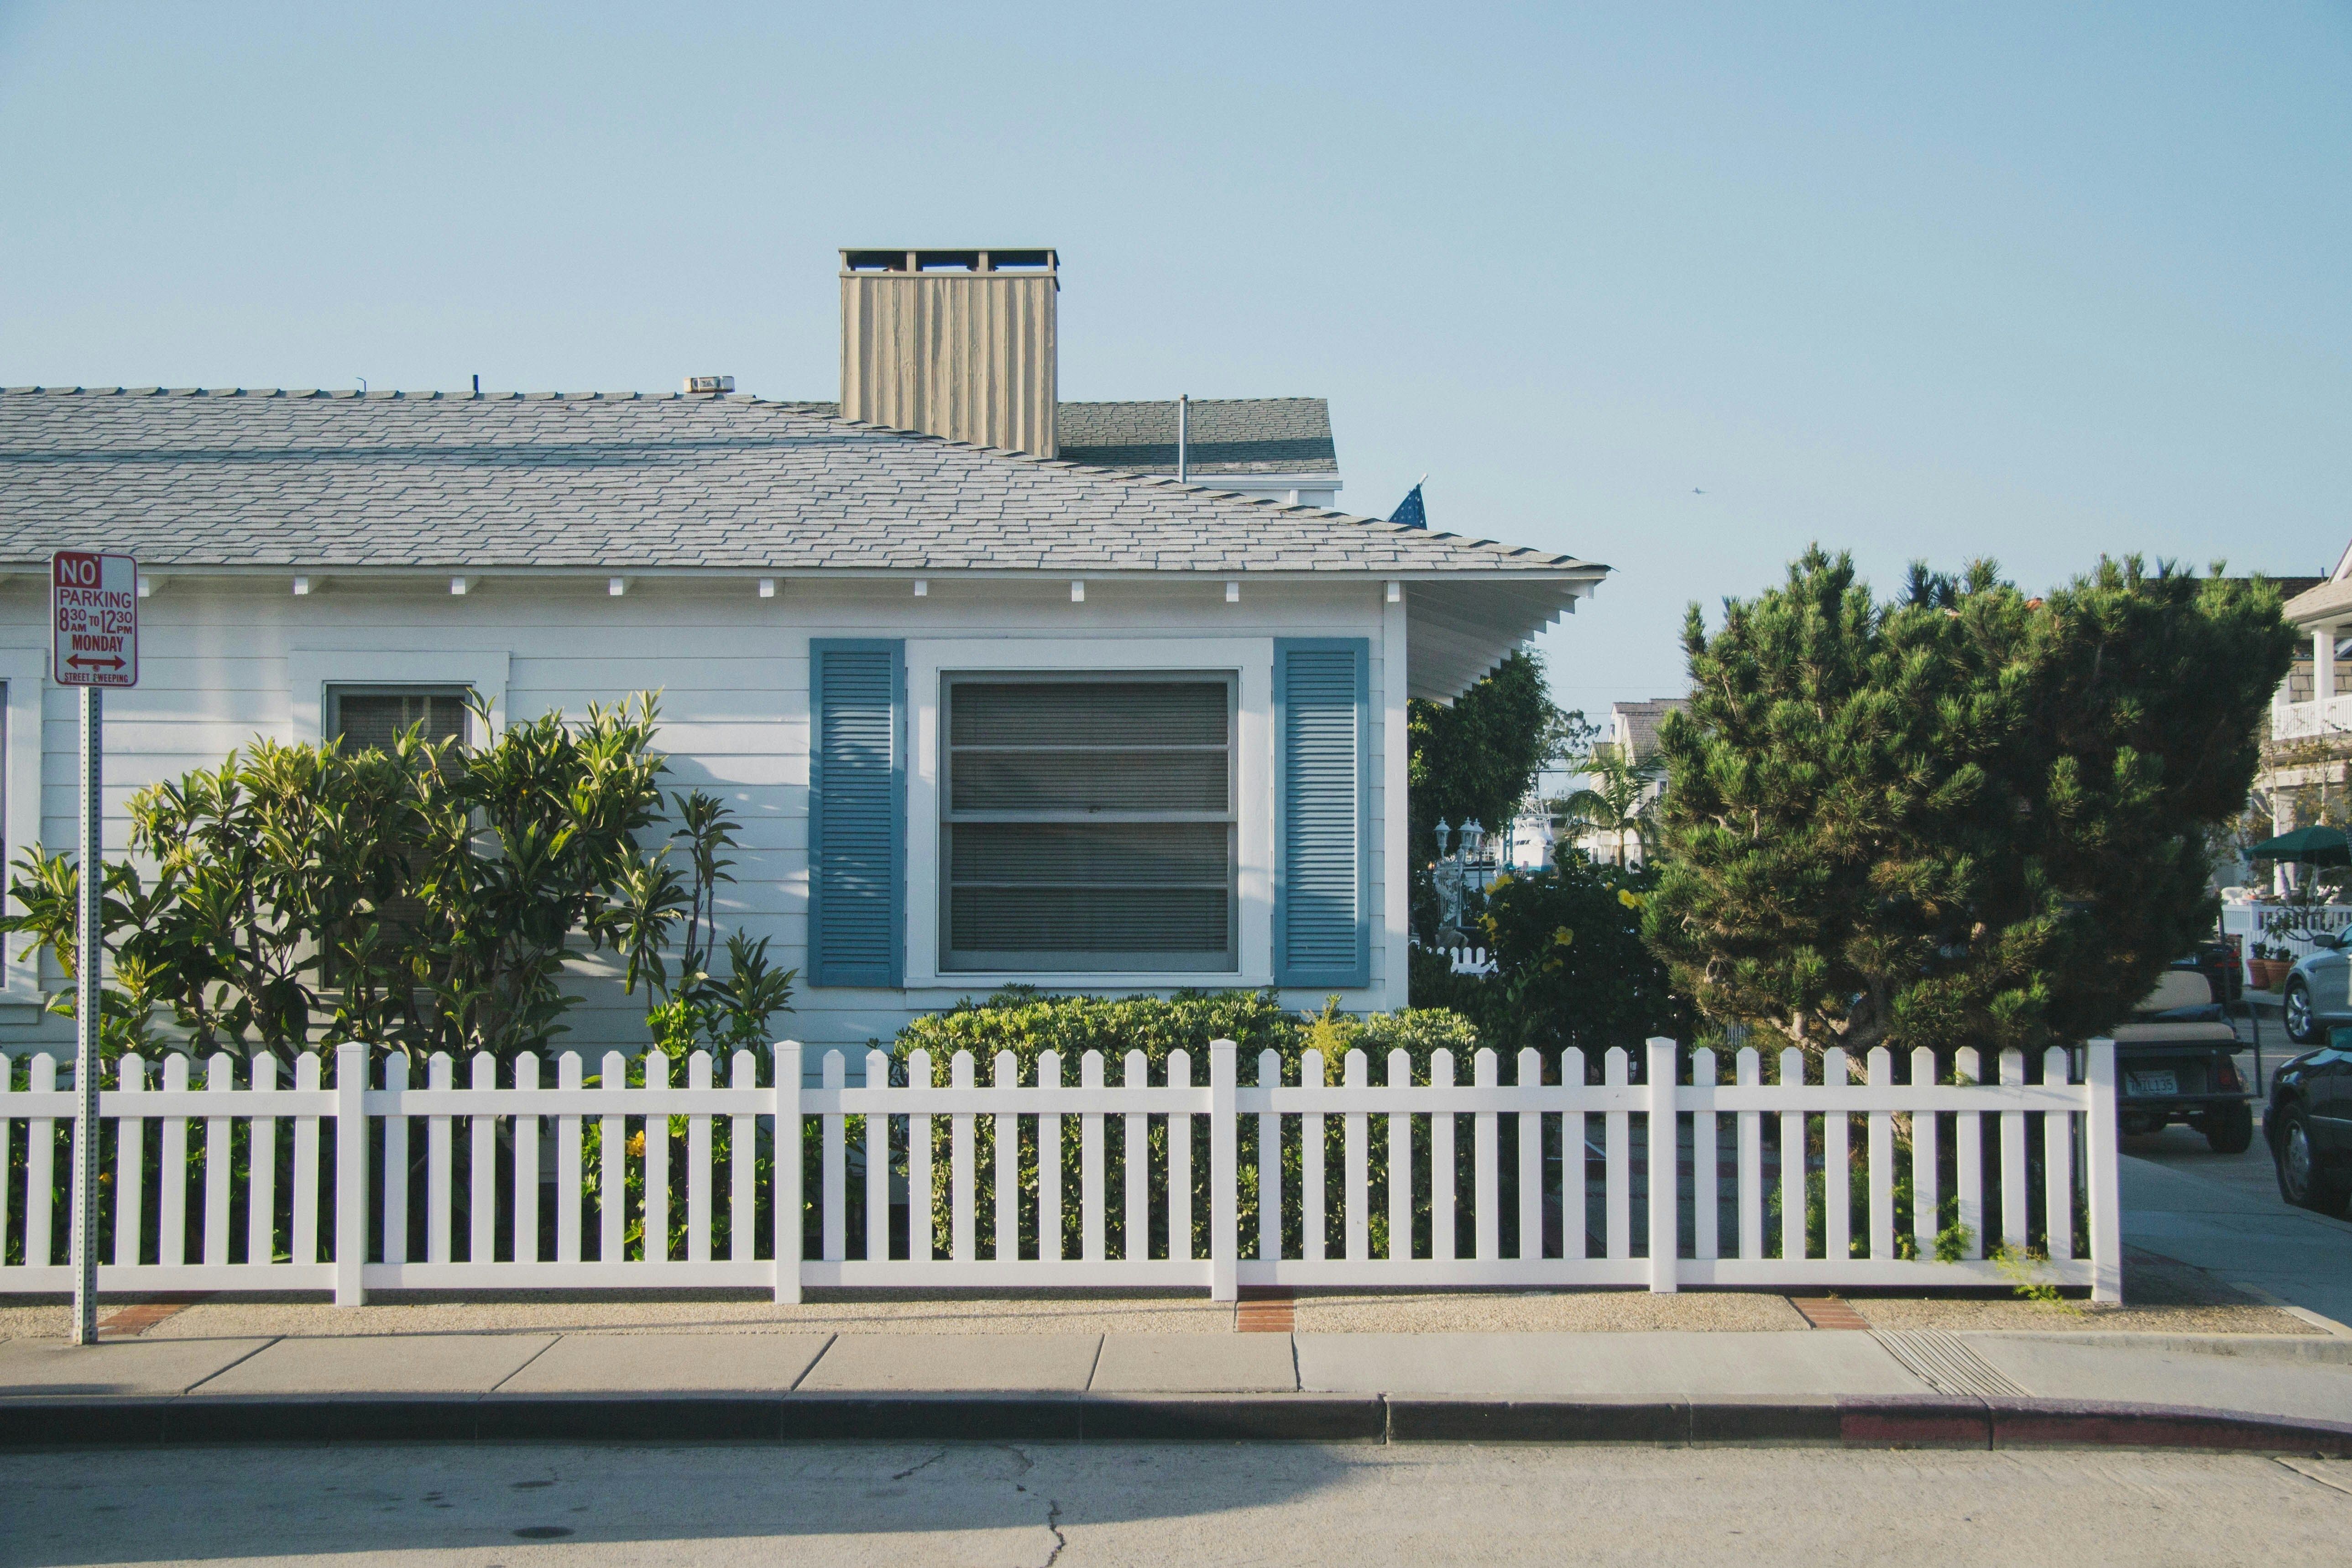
(1618, 798)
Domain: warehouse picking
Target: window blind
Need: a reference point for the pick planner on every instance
(373, 718)
(1088, 824)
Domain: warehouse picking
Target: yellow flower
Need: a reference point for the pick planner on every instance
(1499, 883)
(1562, 937)
(637, 1143)
(1630, 899)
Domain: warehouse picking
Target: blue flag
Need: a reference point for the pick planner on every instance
(1409, 512)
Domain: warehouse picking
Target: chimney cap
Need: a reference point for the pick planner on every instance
(709, 384)
(1021, 259)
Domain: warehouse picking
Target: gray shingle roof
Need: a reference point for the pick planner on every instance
(1235, 435)
(341, 480)
(1222, 436)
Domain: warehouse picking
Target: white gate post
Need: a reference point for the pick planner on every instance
(1665, 1157)
(351, 1172)
(1224, 1175)
(789, 1218)
(2099, 1138)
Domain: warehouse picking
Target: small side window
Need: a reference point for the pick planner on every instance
(363, 716)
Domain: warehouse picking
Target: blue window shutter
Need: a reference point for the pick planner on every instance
(1322, 810)
(857, 811)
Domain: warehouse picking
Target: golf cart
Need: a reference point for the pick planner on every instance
(2176, 1060)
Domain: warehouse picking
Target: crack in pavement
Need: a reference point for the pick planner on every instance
(2298, 1469)
(1053, 1523)
(926, 1465)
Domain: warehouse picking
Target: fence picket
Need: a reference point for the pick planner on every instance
(220, 1077)
(2057, 1162)
(40, 1169)
(130, 1166)
(172, 1177)
(1356, 1159)
(1882, 1160)
(482, 1178)
(1488, 1165)
(1269, 1163)
(1618, 1137)
(261, 1163)
(306, 1165)
(743, 1168)
(698, 1166)
(1749, 1067)
(1837, 1185)
(525, 1241)
(1706, 1175)
(1180, 1164)
(1444, 1209)
(439, 1075)
(2014, 1202)
(832, 1183)
(1135, 1165)
(1314, 1224)
(1005, 1073)
(1090, 1163)
(396, 1162)
(1927, 1209)
(922, 1239)
(1575, 1171)
(568, 1176)
(1531, 1182)
(655, 1246)
(1399, 1172)
(1049, 1164)
(961, 1174)
(1793, 1155)
(1967, 1161)
(612, 1166)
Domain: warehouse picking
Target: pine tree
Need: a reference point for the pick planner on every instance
(1964, 818)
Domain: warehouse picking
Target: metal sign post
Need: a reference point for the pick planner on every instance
(94, 623)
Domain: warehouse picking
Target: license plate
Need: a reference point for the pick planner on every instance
(2150, 1083)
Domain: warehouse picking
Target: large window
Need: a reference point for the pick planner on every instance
(376, 716)
(1088, 823)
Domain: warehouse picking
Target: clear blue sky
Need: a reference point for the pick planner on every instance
(2024, 281)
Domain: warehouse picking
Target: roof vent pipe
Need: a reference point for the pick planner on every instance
(1183, 438)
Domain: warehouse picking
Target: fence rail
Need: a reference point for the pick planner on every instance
(1863, 1177)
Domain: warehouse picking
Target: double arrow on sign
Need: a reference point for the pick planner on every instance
(108, 663)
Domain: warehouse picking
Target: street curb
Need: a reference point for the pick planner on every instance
(1931, 1422)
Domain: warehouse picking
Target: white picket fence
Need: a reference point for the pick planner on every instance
(1530, 1183)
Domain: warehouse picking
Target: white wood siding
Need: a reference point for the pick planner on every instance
(732, 671)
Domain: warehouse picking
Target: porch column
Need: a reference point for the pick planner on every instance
(2282, 822)
(2323, 664)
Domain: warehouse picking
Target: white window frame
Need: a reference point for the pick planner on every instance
(1252, 661)
(310, 671)
(24, 671)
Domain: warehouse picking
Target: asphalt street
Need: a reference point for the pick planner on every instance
(1069, 1505)
(2223, 1214)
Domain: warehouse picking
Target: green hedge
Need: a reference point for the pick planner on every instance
(1028, 1023)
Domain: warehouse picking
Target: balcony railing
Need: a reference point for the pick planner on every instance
(2311, 721)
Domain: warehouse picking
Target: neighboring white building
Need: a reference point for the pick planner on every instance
(1632, 733)
(840, 617)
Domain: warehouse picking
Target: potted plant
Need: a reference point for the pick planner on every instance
(2268, 964)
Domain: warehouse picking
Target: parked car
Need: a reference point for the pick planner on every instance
(2177, 1061)
(2315, 1000)
(2308, 1125)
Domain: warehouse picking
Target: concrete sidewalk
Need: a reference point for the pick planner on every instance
(1880, 1387)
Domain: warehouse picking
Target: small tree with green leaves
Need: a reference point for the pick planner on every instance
(1967, 816)
(1618, 799)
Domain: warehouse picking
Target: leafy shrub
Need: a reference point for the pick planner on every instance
(1572, 969)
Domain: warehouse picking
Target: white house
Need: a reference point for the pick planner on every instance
(952, 687)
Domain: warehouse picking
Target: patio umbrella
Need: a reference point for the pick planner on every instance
(2312, 845)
